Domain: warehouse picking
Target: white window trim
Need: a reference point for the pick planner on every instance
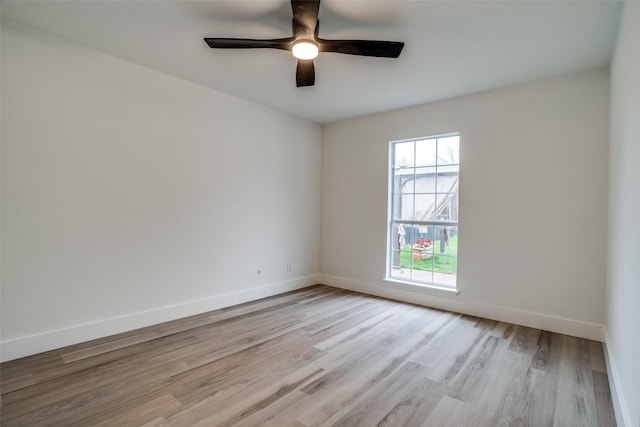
(431, 288)
(415, 286)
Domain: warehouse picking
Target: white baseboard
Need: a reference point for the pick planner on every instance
(623, 417)
(50, 340)
(577, 328)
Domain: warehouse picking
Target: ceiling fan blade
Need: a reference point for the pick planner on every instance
(305, 28)
(227, 43)
(379, 48)
(305, 73)
(305, 18)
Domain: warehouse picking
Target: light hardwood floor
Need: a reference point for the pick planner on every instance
(318, 356)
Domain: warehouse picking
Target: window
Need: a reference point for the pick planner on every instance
(423, 211)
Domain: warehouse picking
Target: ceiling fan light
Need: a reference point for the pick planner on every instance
(305, 49)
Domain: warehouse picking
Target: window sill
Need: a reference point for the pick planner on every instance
(422, 288)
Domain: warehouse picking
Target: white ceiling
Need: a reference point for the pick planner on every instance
(452, 47)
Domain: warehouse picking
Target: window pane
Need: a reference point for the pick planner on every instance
(422, 254)
(447, 182)
(445, 270)
(447, 207)
(447, 197)
(404, 154)
(426, 152)
(402, 238)
(396, 207)
(445, 256)
(425, 205)
(407, 185)
(449, 150)
(425, 181)
(442, 238)
(399, 240)
(406, 206)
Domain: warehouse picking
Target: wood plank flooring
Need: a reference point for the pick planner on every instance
(315, 357)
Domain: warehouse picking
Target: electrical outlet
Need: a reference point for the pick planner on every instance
(259, 272)
(288, 268)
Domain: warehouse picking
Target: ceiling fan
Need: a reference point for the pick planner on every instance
(305, 43)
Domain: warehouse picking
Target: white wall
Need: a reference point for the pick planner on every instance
(533, 201)
(131, 197)
(623, 296)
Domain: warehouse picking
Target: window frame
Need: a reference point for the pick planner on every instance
(415, 285)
